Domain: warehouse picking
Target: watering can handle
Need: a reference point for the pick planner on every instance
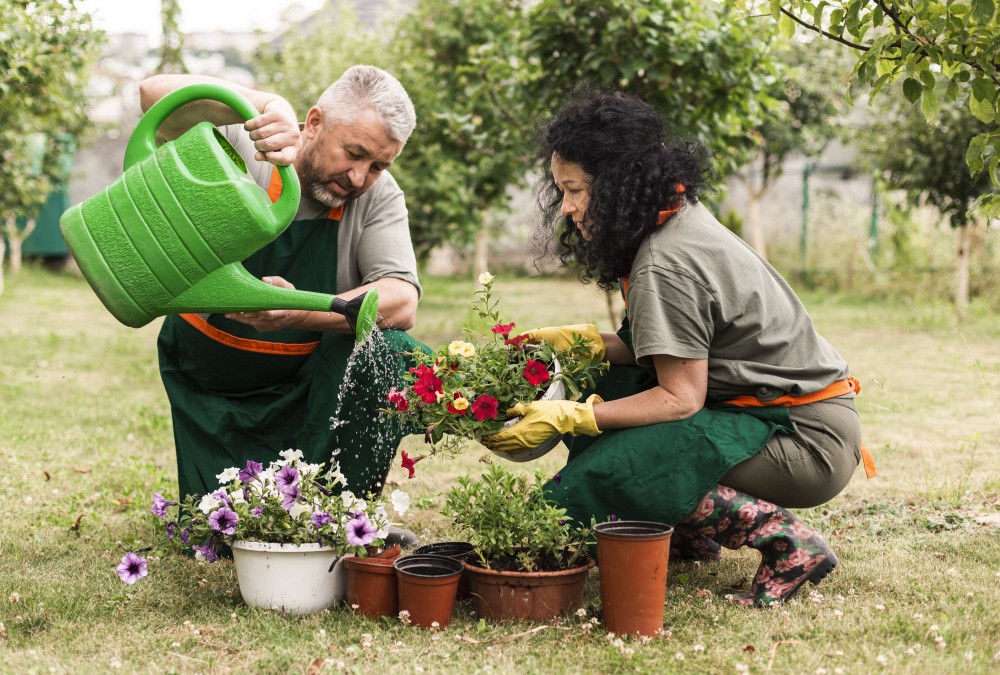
(142, 144)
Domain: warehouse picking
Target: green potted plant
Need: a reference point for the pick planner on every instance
(461, 391)
(530, 561)
(287, 526)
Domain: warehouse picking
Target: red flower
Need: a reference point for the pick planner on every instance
(517, 341)
(535, 372)
(458, 411)
(398, 399)
(427, 385)
(409, 463)
(484, 408)
(503, 328)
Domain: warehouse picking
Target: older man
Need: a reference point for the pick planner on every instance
(249, 385)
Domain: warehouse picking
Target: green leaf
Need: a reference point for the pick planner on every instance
(974, 153)
(982, 11)
(929, 106)
(786, 26)
(776, 10)
(912, 89)
(981, 100)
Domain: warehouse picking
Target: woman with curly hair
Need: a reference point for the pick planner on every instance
(723, 406)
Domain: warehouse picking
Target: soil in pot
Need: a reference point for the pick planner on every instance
(428, 586)
(371, 586)
(633, 557)
(459, 550)
(499, 595)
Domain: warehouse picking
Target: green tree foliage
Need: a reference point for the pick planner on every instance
(308, 57)
(46, 47)
(705, 68)
(172, 39)
(462, 62)
(942, 50)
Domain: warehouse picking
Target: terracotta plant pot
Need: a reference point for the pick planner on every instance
(371, 584)
(459, 550)
(526, 596)
(632, 558)
(428, 585)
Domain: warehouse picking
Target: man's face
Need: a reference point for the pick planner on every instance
(338, 162)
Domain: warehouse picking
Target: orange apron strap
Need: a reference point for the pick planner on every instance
(868, 461)
(274, 192)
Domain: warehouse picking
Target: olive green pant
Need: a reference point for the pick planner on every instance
(809, 467)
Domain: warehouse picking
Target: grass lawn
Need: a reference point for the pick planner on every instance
(85, 440)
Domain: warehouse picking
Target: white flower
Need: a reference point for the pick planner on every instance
(291, 455)
(228, 476)
(461, 348)
(400, 501)
(486, 278)
(335, 476)
(208, 503)
(236, 496)
(299, 508)
(307, 469)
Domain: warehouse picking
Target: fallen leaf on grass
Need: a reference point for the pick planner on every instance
(75, 527)
(749, 649)
(80, 469)
(315, 667)
(47, 476)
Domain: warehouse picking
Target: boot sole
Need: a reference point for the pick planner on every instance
(817, 575)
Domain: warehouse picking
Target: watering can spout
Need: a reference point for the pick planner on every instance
(361, 313)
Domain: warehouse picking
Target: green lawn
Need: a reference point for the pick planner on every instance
(85, 440)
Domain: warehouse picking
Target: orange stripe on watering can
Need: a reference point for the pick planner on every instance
(274, 192)
(243, 344)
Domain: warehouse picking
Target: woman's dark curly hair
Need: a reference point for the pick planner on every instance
(620, 141)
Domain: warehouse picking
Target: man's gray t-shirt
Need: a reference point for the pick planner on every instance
(698, 291)
(374, 237)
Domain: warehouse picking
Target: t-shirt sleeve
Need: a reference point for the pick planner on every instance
(384, 248)
(670, 313)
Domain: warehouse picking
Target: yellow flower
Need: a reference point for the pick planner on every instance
(486, 278)
(460, 403)
(460, 348)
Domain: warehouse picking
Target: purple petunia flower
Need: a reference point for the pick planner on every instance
(160, 505)
(290, 495)
(360, 531)
(251, 471)
(132, 568)
(286, 477)
(223, 520)
(321, 518)
(223, 497)
(207, 551)
(186, 536)
(557, 478)
(171, 529)
(613, 518)
(257, 511)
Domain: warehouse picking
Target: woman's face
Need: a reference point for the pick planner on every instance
(574, 183)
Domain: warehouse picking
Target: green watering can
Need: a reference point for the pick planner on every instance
(168, 237)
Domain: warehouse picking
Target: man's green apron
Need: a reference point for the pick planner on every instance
(238, 395)
(657, 472)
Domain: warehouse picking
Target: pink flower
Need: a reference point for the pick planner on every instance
(726, 492)
(409, 463)
(503, 328)
(485, 407)
(427, 385)
(798, 557)
(764, 574)
(705, 509)
(517, 341)
(535, 372)
(801, 531)
(767, 529)
(748, 512)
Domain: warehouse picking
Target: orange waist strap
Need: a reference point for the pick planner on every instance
(838, 388)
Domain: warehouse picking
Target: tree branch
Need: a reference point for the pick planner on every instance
(817, 29)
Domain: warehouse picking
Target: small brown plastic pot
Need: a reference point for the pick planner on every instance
(526, 596)
(632, 557)
(371, 586)
(459, 550)
(427, 587)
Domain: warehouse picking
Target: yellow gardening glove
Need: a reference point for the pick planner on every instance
(561, 337)
(541, 420)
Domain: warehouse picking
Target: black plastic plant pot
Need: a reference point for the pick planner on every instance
(633, 528)
(459, 550)
(429, 566)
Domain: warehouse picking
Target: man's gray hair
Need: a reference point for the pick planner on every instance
(367, 87)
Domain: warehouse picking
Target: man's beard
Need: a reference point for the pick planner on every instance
(318, 189)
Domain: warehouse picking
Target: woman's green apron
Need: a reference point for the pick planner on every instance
(238, 395)
(657, 472)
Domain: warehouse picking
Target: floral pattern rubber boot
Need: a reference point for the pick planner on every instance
(687, 544)
(791, 553)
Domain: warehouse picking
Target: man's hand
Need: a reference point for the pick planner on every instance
(275, 133)
(270, 320)
(542, 420)
(561, 337)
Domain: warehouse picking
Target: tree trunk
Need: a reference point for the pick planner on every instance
(480, 259)
(15, 238)
(616, 319)
(755, 228)
(963, 255)
(3, 253)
